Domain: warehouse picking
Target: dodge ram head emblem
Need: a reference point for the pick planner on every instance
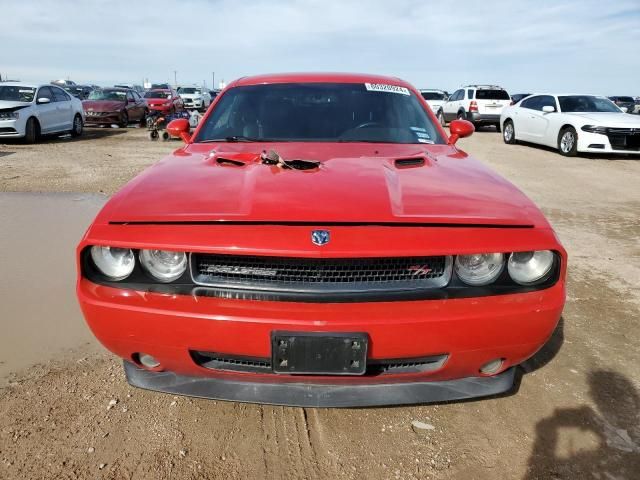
(320, 237)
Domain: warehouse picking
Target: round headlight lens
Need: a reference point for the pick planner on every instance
(163, 265)
(480, 268)
(526, 268)
(115, 263)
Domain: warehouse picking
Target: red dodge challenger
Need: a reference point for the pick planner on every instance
(320, 241)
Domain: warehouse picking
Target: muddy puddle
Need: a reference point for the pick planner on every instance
(39, 315)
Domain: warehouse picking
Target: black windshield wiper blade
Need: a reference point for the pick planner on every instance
(236, 138)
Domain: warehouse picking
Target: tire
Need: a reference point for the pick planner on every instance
(568, 142)
(76, 129)
(165, 136)
(441, 118)
(462, 115)
(32, 131)
(124, 120)
(153, 135)
(498, 127)
(143, 118)
(509, 133)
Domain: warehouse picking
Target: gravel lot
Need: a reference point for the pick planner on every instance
(72, 415)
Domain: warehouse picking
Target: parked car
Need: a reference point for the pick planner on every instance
(160, 86)
(572, 124)
(480, 104)
(63, 83)
(164, 100)
(131, 86)
(627, 103)
(115, 106)
(320, 241)
(78, 91)
(515, 98)
(195, 97)
(435, 98)
(29, 111)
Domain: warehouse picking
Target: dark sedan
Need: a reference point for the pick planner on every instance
(114, 106)
(624, 102)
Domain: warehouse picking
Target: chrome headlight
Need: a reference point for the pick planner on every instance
(480, 268)
(115, 263)
(527, 268)
(163, 265)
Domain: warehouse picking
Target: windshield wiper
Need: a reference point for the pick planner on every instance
(236, 138)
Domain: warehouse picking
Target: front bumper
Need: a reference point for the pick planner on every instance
(13, 128)
(106, 119)
(599, 143)
(160, 108)
(320, 395)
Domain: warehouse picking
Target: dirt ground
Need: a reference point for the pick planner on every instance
(69, 413)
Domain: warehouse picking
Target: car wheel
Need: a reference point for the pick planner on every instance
(143, 119)
(462, 116)
(32, 131)
(498, 127)
(76, 131)
(509, 133)
(568, 142)
(124, 120)
(441, 118)
(153, 135)
(165, 136)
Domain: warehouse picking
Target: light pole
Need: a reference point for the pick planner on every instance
(213, 80)
(175, 78)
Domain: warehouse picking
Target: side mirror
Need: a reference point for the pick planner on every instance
(548, 109)
(43, 100)
(624, 109)
(179, 128)
(460, 129)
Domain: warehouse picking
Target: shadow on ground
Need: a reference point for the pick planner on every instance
(583, 442)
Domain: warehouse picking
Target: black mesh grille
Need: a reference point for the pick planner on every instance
(320, 274)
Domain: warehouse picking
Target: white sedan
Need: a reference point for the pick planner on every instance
(572, 124)
(28, 111)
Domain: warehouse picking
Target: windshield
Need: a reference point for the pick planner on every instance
(433, 95)
(157, 94)
(117, 95)
(586, 103)
(485, 94)
(320, 112)
(188, 90)
(17, 93)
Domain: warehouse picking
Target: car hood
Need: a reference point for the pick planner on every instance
(354, 183)
(102, 105)
(11, 105)
(608, 119)
(190, 95)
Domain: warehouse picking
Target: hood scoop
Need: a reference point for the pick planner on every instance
(409, 162)
(265, 158)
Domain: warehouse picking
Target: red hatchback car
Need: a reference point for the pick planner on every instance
(320, 241)
(163, 100)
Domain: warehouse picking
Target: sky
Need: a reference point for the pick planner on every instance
(581, 46)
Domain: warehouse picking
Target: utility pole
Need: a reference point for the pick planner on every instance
(213, 80)
(175, 78)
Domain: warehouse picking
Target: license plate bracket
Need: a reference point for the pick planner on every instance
(319, 353)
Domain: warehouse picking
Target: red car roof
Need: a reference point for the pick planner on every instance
(318, 78)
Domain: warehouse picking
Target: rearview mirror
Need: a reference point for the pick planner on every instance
(460, 129)
(179, 128)
(44, 100)
(548, 109)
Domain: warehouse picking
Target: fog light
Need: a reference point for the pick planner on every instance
(148, 361)
(492, 367)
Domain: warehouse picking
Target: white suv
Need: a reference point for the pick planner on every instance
(480, 104)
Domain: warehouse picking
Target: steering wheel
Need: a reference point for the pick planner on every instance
(367, 125)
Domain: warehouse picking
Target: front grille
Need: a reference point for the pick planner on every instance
(624, 138)
(320, 275)
(239, 363)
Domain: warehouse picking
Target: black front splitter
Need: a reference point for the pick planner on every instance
(320, 395)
